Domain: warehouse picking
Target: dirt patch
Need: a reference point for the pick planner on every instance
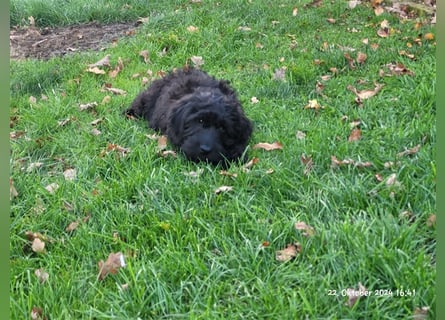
(46, 43)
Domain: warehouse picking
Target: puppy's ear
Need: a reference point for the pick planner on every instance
(177, 120)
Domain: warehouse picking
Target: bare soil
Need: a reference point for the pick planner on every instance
(31, 42)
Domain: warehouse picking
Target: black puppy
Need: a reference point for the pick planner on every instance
(199, 114)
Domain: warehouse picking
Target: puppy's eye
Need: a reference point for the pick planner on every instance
(200, 120)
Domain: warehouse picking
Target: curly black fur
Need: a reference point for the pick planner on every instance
(200, 115)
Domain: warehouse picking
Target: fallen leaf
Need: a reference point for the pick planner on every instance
(114, 262)
(166, 153)
(87, 106)
(254, 100)
(116, 91)
(32, 100)
(355, 135)
(145, 55)
(307, 230)
(392, 180)
(351, 60)
(307, 162)
(38, 245)
(197, 61)
(119, 67)
(104, 62)
(383, 32)
(142, 20)
(279, 74)
(223, 189)
(428, 36)
(41, 274)
(12, 191)
(106, 99)
(294, 12)
(361, 57)
(95, 132)
(244, 28)
(52, 187)
(431, 221)
(366, 94)
(228, 174)
(331, 20)
(398, 69)
(288, 253)
(72, 226)
(64, 122)
(313, 104)
(251, 163)
(37, 314)
(378, 11)
(335, 162)
(268, 146)
(192, 29)
(96, 122)
(411, 151)
(95, 70)
(421, 313)
(353, 3)
(162, 143)
(69, 174)
(300, 135)
(353, 295)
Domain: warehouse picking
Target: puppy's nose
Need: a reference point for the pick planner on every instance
(205, 148)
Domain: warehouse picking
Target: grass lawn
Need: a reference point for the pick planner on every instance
(350, 96)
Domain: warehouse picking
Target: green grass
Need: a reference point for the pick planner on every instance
(192, 254)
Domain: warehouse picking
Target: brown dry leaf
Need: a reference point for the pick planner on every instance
(313, 104)
(378, 11)
(116, 91)
(70, 174)
(353, 294)
(431, 221)
(114, 262)
(166, 153)
(279, 74)
(428, 36)
(197, 61)
(353, 3)
(118, 148)
(32, 100)
(355, 135)
(104, 62)
(16, 134)
(392, 180)
(351, 60)
(223, 189)
(145, 55)
(228, 174)
(12, 191)
(251, 163)
(32, 21)
(72, 226)
(361, 57)
(295, 12)
(37, 314)
(288, 253)
(244, 28)
(162, 142)
(95, 132)
(300, 135)
(408, 152)
(366, 94)
(119, 67)
(192, 29)
(86, 106)
(383, 32)
(335, 162)
(106, 99)
(38, 245)
(307, 162)
(398, 69)
(96, 122)
(307, 230)
(41, 274)
(95, 70)
(52, 187)
(63, 122)
(268, 146)
(421, 313)
(331, 20)
(408, 55)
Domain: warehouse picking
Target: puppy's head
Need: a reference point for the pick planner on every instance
(209, 126)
